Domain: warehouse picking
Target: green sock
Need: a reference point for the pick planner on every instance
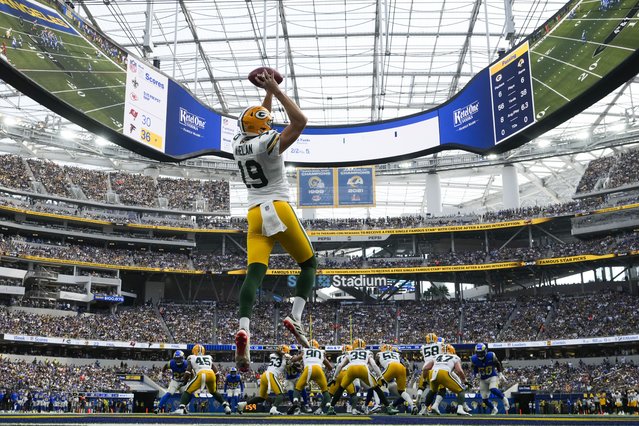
(306, 279)
(326, 398)
(185, 399)
(253, 280)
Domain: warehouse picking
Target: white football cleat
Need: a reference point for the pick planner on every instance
(181, 410)
(462, 412)
(241, 406)
(227, 409)
(273, 412)
(296, 328)
(494, 411)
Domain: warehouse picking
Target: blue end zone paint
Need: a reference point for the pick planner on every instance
(251, 419)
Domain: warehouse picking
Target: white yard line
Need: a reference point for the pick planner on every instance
(567, 63)
(593, 42)
(553, 90)
(104, 107)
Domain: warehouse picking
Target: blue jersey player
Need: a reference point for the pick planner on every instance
(233, 388)
(177, 365)
(292, 374)
(489, 368)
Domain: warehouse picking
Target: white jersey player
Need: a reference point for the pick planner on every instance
(269, 382)
(433, 346)
(314, 360)
(200, 367)
(258, 150)
(447, 372)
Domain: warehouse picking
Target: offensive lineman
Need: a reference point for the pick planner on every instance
(350, 389)
(258, 150)
(314, 359)
(447, 372)
(490, 370)
(390, 361)
(203, 372)
(360, 362)
(269, 382)
(178, 368)
(433, 347)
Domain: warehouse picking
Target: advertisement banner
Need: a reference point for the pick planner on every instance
(355, 186)
(315, 188)
(95, 343)
(107, 298)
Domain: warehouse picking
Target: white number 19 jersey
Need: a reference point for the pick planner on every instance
(261, 167)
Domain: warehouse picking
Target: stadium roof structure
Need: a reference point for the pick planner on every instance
(346, 61)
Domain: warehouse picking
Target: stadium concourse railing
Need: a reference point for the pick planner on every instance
(325, 235)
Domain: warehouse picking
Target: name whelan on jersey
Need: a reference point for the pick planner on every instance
(244, 149)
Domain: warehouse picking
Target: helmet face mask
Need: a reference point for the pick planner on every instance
(481, 350)
(233, 370)
(255, 120)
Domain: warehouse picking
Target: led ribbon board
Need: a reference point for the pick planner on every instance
(582, 53)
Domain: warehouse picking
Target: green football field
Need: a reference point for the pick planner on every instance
(75, 71)
(580, 49)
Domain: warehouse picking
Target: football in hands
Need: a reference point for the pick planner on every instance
(259, 71)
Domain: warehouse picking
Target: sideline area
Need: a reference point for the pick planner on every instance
(251, 419)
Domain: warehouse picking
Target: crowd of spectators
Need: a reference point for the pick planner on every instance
(130, 324)
(51, 386)
(51, 176)
(337, 323)
(593, 315)
(132, 189)
(215, 262)
(614, 171)
(182, 194)
(475, 327)
(93, 183)
(13, 173)
(16, 246)
(527, 320)
(577, 378)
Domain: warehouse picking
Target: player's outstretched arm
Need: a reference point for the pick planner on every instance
(297, 119)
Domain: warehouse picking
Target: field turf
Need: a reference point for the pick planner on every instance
(77, 72)
(580, 48)
(343, 420)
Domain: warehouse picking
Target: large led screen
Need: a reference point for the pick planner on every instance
(586, 50)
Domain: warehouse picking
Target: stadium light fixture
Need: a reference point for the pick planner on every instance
(10, 121)
(100, 141)
(618, 127)
(67, 134)
(584, 134)
(492, 156)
